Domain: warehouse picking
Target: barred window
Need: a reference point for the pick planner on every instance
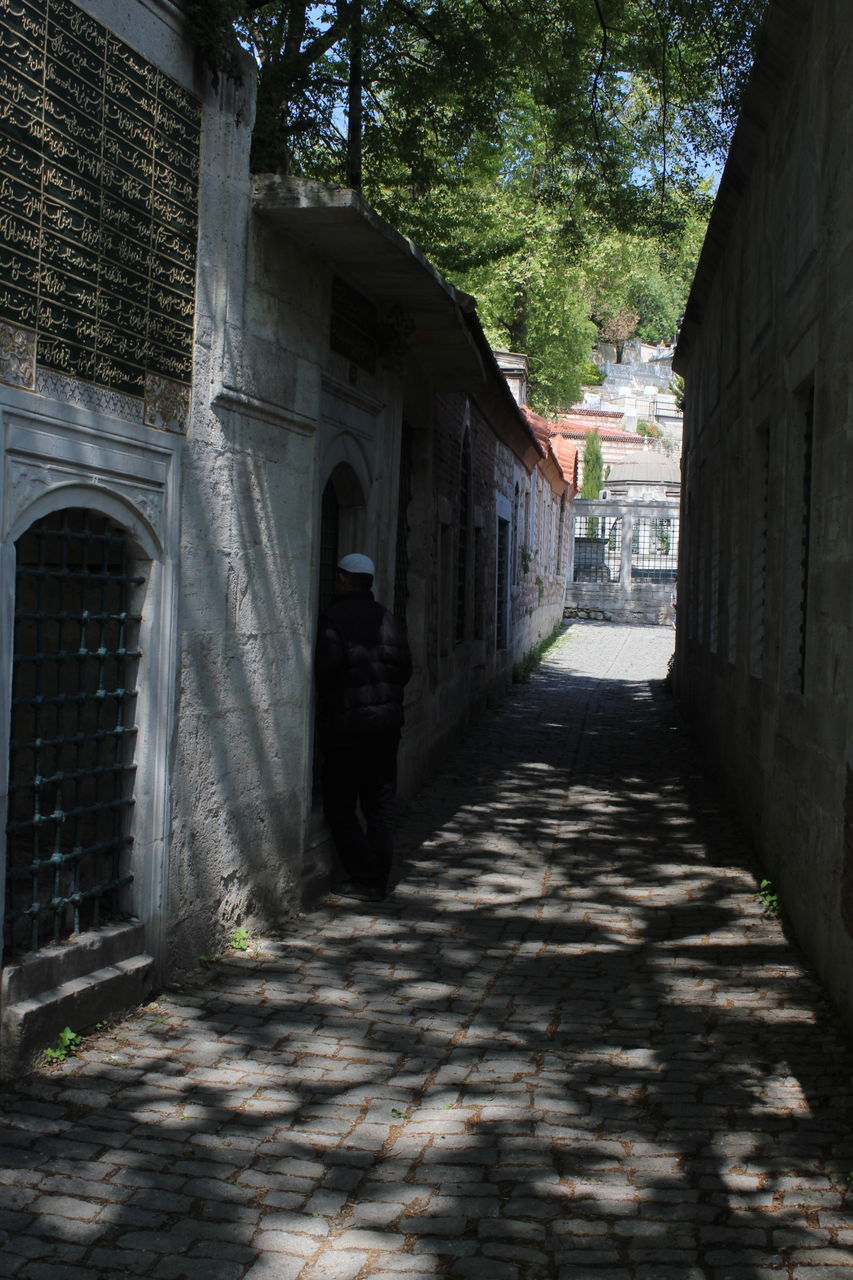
(71, 771)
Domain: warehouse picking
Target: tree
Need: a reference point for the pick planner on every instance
(593, 467)
(548, 157)
(632, 95)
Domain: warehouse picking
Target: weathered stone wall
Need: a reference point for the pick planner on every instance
(217, 468)
(456, 671)
(766, 576)
(105, 400)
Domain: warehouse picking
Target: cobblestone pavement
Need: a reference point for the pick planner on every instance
(571, 1046)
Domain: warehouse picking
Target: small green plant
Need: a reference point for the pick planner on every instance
(67, 1042)
(526, 558)
(524, 669)
(540, 587)
(400, 1115)
(768, 899)
(205, 961)
(240, 939)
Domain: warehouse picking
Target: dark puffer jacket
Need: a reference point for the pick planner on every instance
(362, 666)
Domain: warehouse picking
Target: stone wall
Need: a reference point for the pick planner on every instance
(766, 574)
(236, 448)
(120, 178)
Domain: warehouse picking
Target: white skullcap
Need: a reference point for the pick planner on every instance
(356, 563)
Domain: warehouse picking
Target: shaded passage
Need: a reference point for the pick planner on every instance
(571, 1046)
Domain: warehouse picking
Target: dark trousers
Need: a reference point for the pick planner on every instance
(362, 775)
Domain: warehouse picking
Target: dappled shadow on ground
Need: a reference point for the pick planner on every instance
(572, 1045)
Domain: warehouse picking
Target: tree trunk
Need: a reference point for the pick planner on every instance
(354, 108)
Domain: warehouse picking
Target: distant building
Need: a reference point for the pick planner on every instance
(644, 476)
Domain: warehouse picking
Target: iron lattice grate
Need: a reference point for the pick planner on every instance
(73, 733)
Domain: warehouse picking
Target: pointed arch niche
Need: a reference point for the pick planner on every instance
(343, 523)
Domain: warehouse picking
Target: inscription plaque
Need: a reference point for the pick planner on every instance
(99, 161)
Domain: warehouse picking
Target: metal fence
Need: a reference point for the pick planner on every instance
(624, 560)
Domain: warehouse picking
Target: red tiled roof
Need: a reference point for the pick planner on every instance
(585, 411)
(548, 433)
(542, 428)
(566, 455)
(579, 431)
(580, 422)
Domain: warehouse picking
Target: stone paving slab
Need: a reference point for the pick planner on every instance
(572, 1046)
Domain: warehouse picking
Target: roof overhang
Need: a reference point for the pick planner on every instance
(391, 271)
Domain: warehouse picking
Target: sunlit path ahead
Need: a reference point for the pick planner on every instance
(572, 1046)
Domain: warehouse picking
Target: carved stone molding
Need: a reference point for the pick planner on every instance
(28, 481)
(167, 403)
(17, 355)
(88, 395)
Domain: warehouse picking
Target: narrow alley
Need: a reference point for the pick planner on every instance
(574, 1045)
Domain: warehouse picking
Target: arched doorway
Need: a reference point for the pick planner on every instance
(342, 524)
(79, 584)
(342, 528)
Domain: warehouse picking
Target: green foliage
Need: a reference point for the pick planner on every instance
(67, 1042)
(240, 939)
(523, 670)
(551, 159)
(768, 898)
(593, 466)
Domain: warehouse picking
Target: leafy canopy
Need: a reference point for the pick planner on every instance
(550, 157)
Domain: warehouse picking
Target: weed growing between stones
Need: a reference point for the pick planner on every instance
(67, 1042)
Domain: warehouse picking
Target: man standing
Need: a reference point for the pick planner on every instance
(362, 666)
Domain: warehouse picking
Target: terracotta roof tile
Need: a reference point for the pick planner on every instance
(566, 455)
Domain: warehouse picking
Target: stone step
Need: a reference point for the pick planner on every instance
(32, 1022)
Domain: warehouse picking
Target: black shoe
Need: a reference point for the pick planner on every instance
(360, 890)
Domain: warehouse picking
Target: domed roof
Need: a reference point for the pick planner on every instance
(646, 466)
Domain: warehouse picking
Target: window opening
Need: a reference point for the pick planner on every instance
(404, 497)
(502, 586)
(71, 766)
(655, 550)
(561, 534)
(806, 451)
(758, 574)
(714, 583)
(598, 548)
(462, 545)
(354, 326)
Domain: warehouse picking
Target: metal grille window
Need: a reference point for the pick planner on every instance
(404, 497)
(73, 733)
(354, 326)
(806, 459)
(598, 549)
(502, 587)
(655, 550)
(758, 549)
(462, 543)
(714, 598)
